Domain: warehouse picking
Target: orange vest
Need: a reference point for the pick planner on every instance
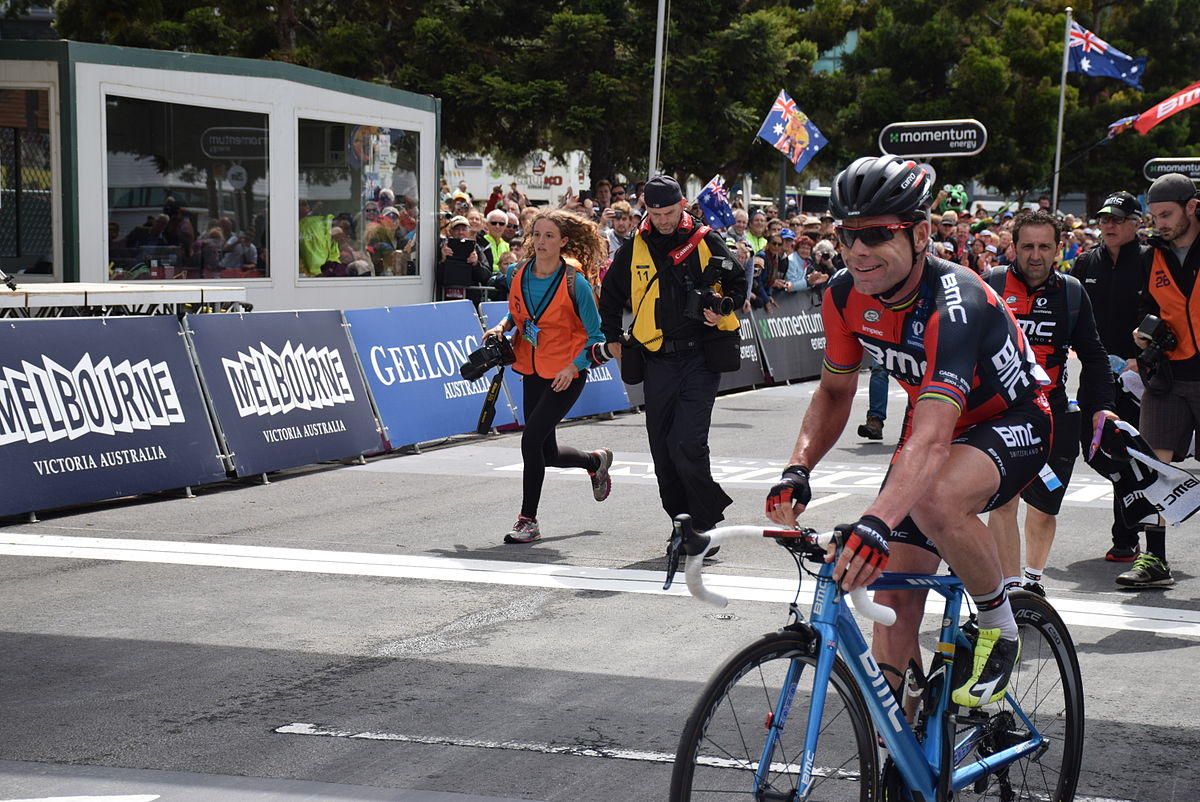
(1173, 307)
(561, 337)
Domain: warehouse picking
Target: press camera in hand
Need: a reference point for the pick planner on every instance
(495, 352)
(1161, 338)
(706, 298)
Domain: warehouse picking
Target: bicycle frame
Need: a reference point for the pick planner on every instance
(921, 765)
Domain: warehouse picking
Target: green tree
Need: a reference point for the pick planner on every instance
(576, 74)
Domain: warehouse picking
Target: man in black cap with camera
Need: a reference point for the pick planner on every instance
(682, 284)
(1170, 339)
(1113, 274)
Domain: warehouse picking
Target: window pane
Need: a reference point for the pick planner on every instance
(26, 231)
(358, 200)
(187, 191)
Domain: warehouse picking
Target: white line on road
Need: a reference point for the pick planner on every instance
(300, 728)
(126, 798)
(1074, 611)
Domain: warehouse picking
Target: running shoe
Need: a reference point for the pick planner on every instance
(1123, 554)
(525, 530)
(1148, 572)
(993, 661)
(601, 481)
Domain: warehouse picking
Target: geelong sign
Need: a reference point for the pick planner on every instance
(411, 356)
(92, 409)
(934, 138)
(1186, 165)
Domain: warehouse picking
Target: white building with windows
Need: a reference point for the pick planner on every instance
(121, 164)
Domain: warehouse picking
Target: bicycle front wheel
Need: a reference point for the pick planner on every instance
(1047, 686)
(727, 732)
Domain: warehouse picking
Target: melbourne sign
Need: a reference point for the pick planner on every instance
(1185, 165)
(934, 138)
(285, 387)
(92, 409)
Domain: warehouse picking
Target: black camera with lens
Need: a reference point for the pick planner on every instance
(696, 301)
(495, 352)
(1152, 362)
(1161, 338)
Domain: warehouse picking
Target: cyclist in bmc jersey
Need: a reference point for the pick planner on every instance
(976, 431)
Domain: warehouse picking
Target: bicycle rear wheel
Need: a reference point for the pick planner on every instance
(725, 735)
(1047, 686)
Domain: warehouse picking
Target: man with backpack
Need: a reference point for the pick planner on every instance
(1056, 316)
(682, 284)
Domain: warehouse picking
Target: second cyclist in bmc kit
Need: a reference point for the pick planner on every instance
(977, 429)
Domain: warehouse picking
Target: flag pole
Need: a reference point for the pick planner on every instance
(656, 102)
(1062, 102)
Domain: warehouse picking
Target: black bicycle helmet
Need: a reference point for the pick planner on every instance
(874, 186)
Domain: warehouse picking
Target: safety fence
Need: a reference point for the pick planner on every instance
(100, 408)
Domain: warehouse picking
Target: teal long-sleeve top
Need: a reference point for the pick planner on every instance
(535, 290)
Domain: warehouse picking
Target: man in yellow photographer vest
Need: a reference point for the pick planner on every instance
(682, 284)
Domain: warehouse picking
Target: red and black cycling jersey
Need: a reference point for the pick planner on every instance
(952, 340)
(1056, 317)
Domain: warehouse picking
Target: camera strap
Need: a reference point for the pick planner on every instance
(488, 413)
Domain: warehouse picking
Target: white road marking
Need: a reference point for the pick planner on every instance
(1074, 611)
(471, 459)
(127, 798)
(300, 728)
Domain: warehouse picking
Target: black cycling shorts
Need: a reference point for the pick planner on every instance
(1064, 448)
(1018, 442)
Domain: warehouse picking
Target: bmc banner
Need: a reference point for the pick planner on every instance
(604, 391)
(792, 335)
(411, 356)
(95, 408)
(284, 387)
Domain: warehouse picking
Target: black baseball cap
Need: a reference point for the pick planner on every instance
(1171, 187)
(1121, 204)
(661, 191)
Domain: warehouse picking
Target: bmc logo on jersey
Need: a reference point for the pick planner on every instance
(1037, 329)
(1017, 436)
(904, 366)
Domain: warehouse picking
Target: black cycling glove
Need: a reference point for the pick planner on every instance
(792, 488)
(867, 539)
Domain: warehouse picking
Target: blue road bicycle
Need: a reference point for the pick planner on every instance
(805, 714)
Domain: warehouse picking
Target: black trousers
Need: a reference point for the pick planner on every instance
(680, 392)
(544, 409)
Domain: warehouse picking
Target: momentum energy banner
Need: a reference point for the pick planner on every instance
(792, 335)
(411, 355)
(285, 388)
(93, 409)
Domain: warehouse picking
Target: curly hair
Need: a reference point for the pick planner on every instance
(584, 243)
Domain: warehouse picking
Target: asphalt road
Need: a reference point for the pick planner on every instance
(362, 633)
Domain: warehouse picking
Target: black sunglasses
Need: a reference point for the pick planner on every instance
(870, 235)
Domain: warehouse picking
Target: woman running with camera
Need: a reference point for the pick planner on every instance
(556, 329)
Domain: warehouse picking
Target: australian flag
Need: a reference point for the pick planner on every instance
(789, 131)
(714, 202)
(1091, 55)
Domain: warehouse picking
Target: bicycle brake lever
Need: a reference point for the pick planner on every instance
(674, 547)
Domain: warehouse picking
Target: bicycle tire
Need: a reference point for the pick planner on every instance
(1046, 683)
(724, 737)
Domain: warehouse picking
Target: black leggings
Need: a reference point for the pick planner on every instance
(544, 408)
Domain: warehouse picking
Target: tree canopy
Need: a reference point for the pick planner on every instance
(564, 75)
